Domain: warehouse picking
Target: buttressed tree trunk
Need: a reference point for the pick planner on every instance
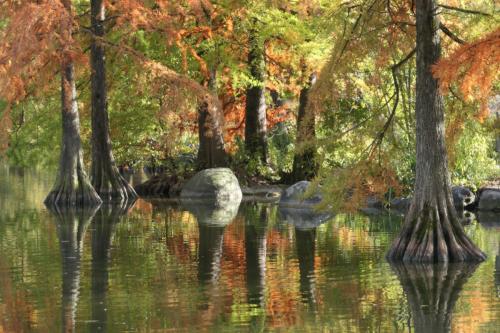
(72, 186)
(432, 231)
(304, 161)
(106, 178)
(255, 109)
(211, 153)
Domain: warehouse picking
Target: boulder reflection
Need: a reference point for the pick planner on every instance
(71, 225)
(212, 220)
(104, 223)
(432, 291)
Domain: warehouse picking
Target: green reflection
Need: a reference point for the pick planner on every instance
(159, 267)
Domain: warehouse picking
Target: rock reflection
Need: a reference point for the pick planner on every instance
(255, 252)
(306, 245)
(104, 223)
(432, 291)
(212, 220)
(71, 225)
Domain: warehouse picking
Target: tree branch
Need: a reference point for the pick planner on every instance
(394, 69)
(450, 34)
(466, 11)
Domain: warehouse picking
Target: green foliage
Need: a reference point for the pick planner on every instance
(475, 160)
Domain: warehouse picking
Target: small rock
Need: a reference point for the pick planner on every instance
(462, 196)
(293, 197)
(400, 204)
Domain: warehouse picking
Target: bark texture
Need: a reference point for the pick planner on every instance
(211, 153)
(432, 291)
(105, 176)
(304, 161)
(72, 186)
(432, 231)
(255, 108)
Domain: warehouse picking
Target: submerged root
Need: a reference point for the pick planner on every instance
(433, 233)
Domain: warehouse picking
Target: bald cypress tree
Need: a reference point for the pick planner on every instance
(432, 231)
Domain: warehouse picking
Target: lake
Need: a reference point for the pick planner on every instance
(163, 267)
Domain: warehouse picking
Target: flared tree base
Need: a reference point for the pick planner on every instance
(433, 233)
(73, 191)
(112, 187)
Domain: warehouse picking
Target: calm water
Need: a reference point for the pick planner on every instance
(164, 268)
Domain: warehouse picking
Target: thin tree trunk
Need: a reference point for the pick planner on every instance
(432, 231)
(72, 186)
(304, 160)
(255, 109)
(106, 178)
(211, 153)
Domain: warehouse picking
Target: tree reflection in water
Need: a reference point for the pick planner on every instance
(432, 291)
(255, 253)
(71, 225)
(306, 245)
(103, 227)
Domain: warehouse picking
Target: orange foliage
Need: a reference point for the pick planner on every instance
(475, 65)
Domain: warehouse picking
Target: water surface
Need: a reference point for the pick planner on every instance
(159, 267)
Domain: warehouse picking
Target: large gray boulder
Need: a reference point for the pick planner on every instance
(294, 196)
(489, 199)
(217, 184)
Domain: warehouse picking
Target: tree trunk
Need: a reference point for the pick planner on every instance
(106, 178)
(432, 291)
(211, 153)
(304, 161)
(432, 231)
(72, 186)
(255, 109)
